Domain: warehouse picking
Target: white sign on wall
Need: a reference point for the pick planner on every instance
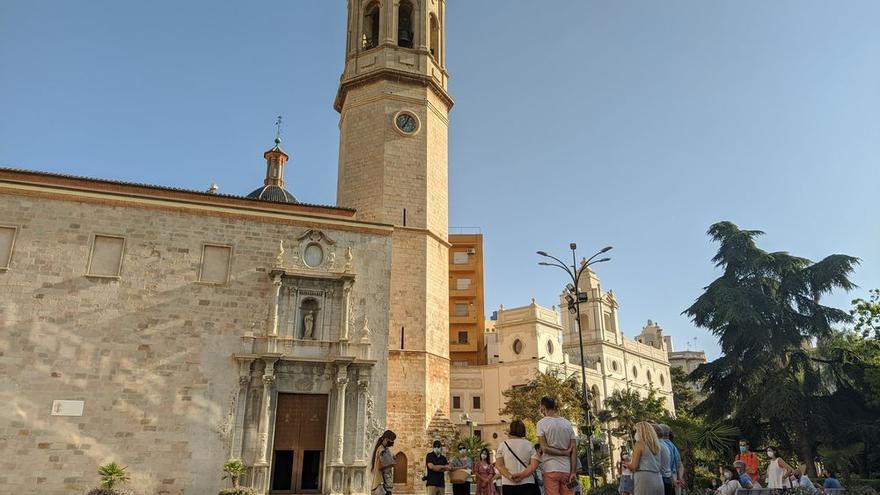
(67, 407)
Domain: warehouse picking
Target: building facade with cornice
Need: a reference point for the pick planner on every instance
(170, 330)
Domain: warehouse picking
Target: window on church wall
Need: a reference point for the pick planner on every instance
(456, 402)
(477, 402)
(371, 27)
(7, 241)
(435, 38)
(106, 256)
(215, 264)
(405, 33)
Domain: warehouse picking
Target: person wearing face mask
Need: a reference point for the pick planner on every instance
(462, 465)
(777, 470)
(730, 484)
(383, 464)
(437, 465)
(485, 473)
(750, 459)
(744, 479)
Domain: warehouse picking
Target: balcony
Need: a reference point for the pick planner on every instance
(469, 319)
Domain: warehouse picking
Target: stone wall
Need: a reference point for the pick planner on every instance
(150, 352)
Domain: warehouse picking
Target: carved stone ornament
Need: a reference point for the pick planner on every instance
(279, 256)
(348, 260)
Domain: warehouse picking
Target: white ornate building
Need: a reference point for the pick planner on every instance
(523, 341)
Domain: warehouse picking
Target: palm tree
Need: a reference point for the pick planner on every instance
(701, 442)
(765, 311)
(112, 474)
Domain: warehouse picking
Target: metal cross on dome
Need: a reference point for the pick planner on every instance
(278, 129)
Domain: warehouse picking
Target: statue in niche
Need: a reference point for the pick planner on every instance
(309, 325)
(310, 311)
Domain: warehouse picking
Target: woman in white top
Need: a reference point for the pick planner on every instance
(517, 462)
(777, 470)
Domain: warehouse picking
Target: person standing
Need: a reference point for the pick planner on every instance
(435, 480)
(665, 462)
(539, 473)
(749, 458)
(646, 461)
(558, 443)
(517, 462)
(485, 473)
(675, 460)
(626, 475)
(383, 464)
(777, 470)
(462, 467)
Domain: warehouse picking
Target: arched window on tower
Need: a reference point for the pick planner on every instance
(371, 26)
(405, 34)
(435, 37)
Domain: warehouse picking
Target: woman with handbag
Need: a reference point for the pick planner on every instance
(462, 466)
(517, 462)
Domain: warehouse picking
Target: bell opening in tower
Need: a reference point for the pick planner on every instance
(371, 26)
(405, 32)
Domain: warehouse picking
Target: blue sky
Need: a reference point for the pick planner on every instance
(636, 124)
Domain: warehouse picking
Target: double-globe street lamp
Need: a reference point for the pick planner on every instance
(574, 297)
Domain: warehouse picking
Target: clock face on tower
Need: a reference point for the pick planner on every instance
(406, 122)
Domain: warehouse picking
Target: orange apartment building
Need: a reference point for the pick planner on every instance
(466, 306)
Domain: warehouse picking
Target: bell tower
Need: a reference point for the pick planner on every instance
(394, 107)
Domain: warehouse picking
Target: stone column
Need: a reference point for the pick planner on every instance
(346, 309)
(261, 467)
(361, 439)
(341, 385)
(244, 380)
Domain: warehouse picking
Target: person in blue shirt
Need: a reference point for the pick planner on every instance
(831, 481)
(744, 479)
(674, 454)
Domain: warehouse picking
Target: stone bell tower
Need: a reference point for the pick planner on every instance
(394, 106)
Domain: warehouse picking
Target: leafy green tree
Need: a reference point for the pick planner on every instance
(765, 310)
(866, 314)
(683, 396)
(523, 402)
(473, 444)
(625, 408)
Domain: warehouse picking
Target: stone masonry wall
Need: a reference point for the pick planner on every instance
(149, 353)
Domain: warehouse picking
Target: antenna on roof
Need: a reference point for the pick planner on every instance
(278, 130)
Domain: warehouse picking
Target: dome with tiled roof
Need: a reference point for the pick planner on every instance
(273, 186)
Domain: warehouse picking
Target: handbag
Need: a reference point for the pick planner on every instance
(524, 465)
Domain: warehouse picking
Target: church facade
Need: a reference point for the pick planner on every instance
(170, 330)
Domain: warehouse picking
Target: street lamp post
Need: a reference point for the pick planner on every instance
(574, 297)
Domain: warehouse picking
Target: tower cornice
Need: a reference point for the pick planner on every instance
(386, 74)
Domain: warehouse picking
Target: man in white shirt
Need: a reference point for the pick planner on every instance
(558, 442)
